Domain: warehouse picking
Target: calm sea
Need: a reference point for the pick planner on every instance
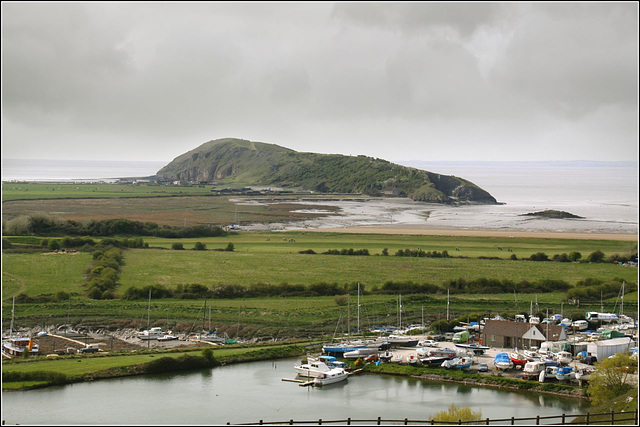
(604, 193)
(75, 170)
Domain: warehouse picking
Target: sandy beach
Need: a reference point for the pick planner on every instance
(423, 230)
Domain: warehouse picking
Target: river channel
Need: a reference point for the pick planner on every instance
(253, 391)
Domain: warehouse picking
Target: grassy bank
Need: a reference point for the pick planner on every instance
(36, 373)
(496, 381)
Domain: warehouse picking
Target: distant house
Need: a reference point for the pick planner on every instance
(508, 334)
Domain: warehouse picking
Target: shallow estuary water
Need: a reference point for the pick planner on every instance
(253, 391)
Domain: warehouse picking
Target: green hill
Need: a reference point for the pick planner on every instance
(232, 161)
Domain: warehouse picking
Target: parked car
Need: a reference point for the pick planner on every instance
(448, 336)
(482, 367)
(428, 343)
(438, 337)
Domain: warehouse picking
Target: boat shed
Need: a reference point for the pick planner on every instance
(507, 334)
(605, 348)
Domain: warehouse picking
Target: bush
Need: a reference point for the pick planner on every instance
(455, 414)
(199, 246)
(385, 252)
(539, 256)
(177, 246)
(308, 251)
(597, 256)
(6, 244)
(53, 245)
(229, 248)
(341, 300)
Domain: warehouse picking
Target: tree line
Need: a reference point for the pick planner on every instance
(42, 225)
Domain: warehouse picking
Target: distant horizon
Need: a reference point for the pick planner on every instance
(582, 162)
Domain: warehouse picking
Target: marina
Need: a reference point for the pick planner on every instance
(225, 390)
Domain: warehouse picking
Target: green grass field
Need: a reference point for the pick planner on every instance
(272, 258)
(42, 274)
(170, 268)
(27, 191)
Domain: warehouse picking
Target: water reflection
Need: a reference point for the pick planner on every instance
(253, 391)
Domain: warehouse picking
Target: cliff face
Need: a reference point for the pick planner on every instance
(242, 162)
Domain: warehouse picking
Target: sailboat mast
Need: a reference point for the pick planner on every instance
(204, 313)
(622, 301)
(400, 312)
(447, 305)
(209, 318)
(149, 311)
(13, 308)
(358, 308)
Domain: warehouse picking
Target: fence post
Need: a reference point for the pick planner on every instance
(459, 422)
(563, 415)
(378, 420)
(320, 422)
(513, 419)
(613, 418)
(636, 416)
(587, 420)
(487, 421)
(261, 421)
(537, 420)
(349, 421)
(406, 421)
(291, 422)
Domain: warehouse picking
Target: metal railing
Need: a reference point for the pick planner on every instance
(604, 418)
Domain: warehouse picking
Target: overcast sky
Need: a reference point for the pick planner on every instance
(413, 81)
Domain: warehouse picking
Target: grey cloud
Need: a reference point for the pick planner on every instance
(412, 17)
(351, 77)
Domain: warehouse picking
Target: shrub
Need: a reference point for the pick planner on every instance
(53, 245)
(455, 414)
(199, 246)
(229, 248)
(539, 256)
(385, 252)
(597, 256)
(177, 246)
(341, 300)
(308, 251)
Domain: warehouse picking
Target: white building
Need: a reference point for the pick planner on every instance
(605, 348)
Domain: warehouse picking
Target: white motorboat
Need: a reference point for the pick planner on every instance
(211, 337)
(580, 325)
(168, 337)
(314, 368)
(533, 369)
(565, 373)
(330, 377)
(564, 357)
(448, 364)
(531, 354)
(152, 334)
(502, 361)
(360, 352)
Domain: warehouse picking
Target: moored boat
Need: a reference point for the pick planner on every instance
(330, 377)
(152, 334)
(502, 361)
(564, 357)
(518, 359)
(338, 350)
(476, 348)
(565, 373)
(17, 346)
(402, 341)
(313, 368)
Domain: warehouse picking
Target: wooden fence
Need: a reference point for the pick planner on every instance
(605, 418)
